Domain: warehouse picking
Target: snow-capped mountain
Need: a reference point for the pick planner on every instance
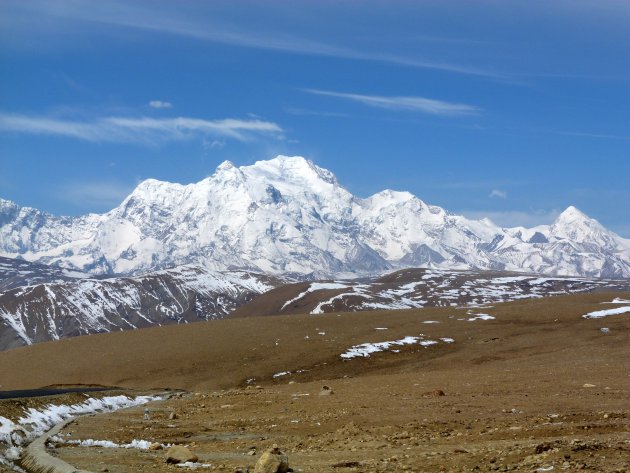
(67, 308)
(289, 216)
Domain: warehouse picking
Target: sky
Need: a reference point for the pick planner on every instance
(511, 110)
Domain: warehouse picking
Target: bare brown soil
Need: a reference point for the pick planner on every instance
(538, 387)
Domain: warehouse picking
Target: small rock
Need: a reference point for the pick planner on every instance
(272, 461)
(347, 464)
(155, 446)
(326, 391)
(543, 447)
(172, 416)
(180, 454)
(588, 385)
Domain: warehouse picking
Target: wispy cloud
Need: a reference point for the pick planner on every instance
(314, 113)
(160, 104)
(143, 129)
(602, 136)
(416, 104)
(498, 194)
(148, 18)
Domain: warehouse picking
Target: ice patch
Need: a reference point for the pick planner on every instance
(430, 322)
(447, 340)
(605, 313)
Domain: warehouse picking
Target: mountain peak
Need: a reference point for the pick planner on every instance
(225, 166)
(572, 215)
(293, 168)
(390, 196)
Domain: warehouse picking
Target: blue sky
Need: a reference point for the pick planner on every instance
(508, 109)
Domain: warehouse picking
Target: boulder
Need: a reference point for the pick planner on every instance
(180, 454)
(272, 461)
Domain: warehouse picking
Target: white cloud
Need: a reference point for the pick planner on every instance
(497, 193)
(416, 104)
(160, 104)
(515, 218)
(142, 130)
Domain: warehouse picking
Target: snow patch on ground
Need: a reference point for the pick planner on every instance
(364, 350)
(194, 465)
(605, 313)
(282, 373)
(618, 300)
(135, 443)
(15, 435)
(479, 317)
(316, 286)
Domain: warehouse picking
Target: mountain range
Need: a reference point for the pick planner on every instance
(287, 216)
(42, 305)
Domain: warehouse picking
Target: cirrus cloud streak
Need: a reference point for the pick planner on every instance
(414, 104)
(137, 129)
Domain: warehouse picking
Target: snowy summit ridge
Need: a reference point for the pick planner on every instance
(289, 216)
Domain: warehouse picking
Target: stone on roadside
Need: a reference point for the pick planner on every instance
(272, 461)
(180, 454)
(155, 446)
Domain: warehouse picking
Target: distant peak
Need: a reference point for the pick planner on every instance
(225, 166)
(288, 162)
(152, 189)
(291, 167)
(392, 195)
(572, 213)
